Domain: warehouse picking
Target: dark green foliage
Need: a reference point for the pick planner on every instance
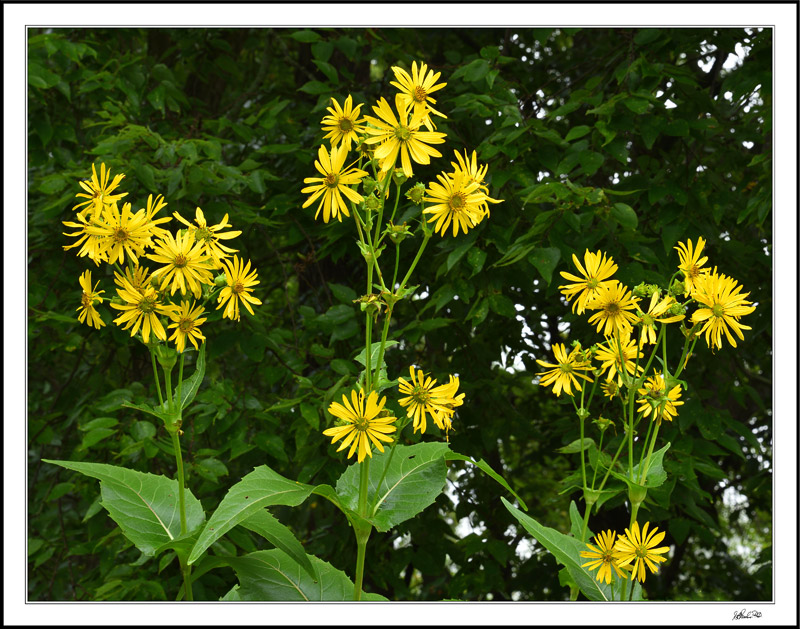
(627, 140)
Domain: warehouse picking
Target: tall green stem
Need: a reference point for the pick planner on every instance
(362, 535)
(643, 477)
(368, 357)
(416, 259)
(180, 382)
(186, 569)
(155, 376)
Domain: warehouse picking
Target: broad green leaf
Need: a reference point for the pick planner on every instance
(279, 535)
(485, 468)
(145, 506)
(305, 36)
(576, 523)
(577, 132)
(566, 550)
(625, 215)
(190, 385)
(272, 575)
(415, 477)
(502, 305)
(374, 350)
(260, 488)
(545, 259)
(575, 446)
(656, 475)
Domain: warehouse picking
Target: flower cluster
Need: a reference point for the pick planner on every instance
(175, 292)
(391, 141)
(617, 311)
(629, 552)
(362, 421)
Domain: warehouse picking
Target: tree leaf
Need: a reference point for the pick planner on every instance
(272, 575)
(545, 259)
(260, 488)
(485, 468)
(415, 477)
(145, 506)
(625, 215)
(279, 535)
(577, 132)
(374, 350)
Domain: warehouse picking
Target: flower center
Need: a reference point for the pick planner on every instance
(718, 310)
(402, 133)
(186, 325)
(647, 320)
(120, 235)
(420, 94)
(612, 308)
(331, 180)
(420, 395)
(592, 282)
(458, 201)
(345, 124)
(238, 287)
(86, 300)
(361, 424)
(565, 367)
(641, 552)
(203, 233)
(147, 305)
(693, 272)
(180, 261)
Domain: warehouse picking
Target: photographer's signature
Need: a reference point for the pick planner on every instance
(746, 614)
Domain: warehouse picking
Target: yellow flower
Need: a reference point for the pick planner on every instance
(603, 556)
(362, 424)
(141, 308)
(343, 124)
(187, 267)
(87, 312)
(610, 389)
(614, 304)
(138, 277)
(720, 306)
(239, 281)
(186, 321)
(209, 236)
(691, 263)
(153, 207)
(455, 200)
(598, 270)
(99, 192)
(333, 184)
(90, 245)
(656, 313)
(416, 90)
(122, 233)
(640, 548)
(615, 362)
(656, 400)
(400, 136)
(474, 173)
(566, 370)
(424, 398)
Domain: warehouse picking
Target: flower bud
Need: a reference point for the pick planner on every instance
(397, 233)
(677, 288)
(369, 185)
(399, 177)
(640, 290)
(221, 280)
(416, 193)
(372, 203)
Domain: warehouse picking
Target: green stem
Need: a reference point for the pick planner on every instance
(646, 441)
(682, 363)
(416, 259)
(384, 333)
(368, 356)
(186, 569)
(362, 536)
(610, 467)
(585, 521)
(180, 382)
(599, 452)
(168, 385)
(155, 375)
(643, 478)
(396, 264)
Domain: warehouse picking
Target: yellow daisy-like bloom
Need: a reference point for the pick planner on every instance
(656, 312)
(595, 274)
(186, 320)
(475, 173)
(239, 282)
(90, 295)
(615, 305)
(153, 207)
(209, 236)
(603, 556)
(138, 277)
(691, 263)
(566, 371)
(400, 136)
(615, 363)
(187, 267)
(333, 184)
(99, 191)
(90, 246)
(362, 424)
(456, 401)
(424, 398)
(640, 549)
(141, 308)
(416, 90)
(456, 201)
(655, 400)
(610, 389)
(343, 124)
(721, 303)
(123, 232)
